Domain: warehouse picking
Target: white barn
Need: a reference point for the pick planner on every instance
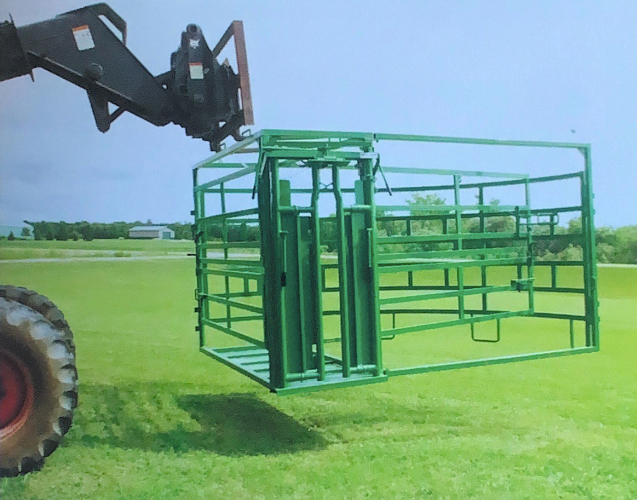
(151, 232)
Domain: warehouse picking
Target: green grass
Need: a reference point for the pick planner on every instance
(31, 249)
(159, 420)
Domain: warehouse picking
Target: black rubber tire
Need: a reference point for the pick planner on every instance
(33, 330)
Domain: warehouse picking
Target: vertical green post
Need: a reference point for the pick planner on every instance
(410, 274)
(483, 269)
(273, 271)
(315, 272)
(224, 238)
(279, 265)
(369, 189)
(200, 253)
(589, 252)
(460, 270)
(530, 274)
(341, 245)
(445, 230)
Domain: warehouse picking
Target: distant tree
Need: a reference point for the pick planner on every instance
(253, 232)
(421, 206)
(243, 231)
(234, 232)
(11, 236)
(26, 232)
(606, 253)
(86, 230)
(574, 226)
(38, 230)
(390, 227)
(182, 231)
(626, 244)
(606, 239)
(63, 232)
(328, 233)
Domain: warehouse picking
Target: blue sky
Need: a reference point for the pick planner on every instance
(554, 70)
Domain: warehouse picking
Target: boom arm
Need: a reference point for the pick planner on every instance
(209, 100)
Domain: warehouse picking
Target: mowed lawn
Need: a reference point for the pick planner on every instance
(42, 249)
(157, 419)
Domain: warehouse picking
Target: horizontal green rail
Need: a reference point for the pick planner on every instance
(402, 256)
(447, 264)
(445, 294)
(476, 312)
(228, 215)
(476, 141)
(323, 144)
(474, 185)
(213, 161)
(275, 135)
(440, 171)
(230, 165)
(234, 303)
(555, 210)
(250, 275)
(255, 317)
(455, 322)
(451, 208)
(231, 244)
(558, 289)
(539, 237)
(450, 216)
(559, 263)
(441, 238)
(226, 178)
(489, 361)
(232, 262)
(440, 311)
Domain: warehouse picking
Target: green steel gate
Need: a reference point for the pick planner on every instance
(299, 300)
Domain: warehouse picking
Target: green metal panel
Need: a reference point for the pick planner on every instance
(273, 302)
(361, 296)
(298, 293)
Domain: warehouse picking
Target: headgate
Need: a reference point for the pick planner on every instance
(306, 279)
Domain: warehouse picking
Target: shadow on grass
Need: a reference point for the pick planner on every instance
(154, 417)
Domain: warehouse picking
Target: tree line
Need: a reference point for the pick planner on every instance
(616, 245)
(613, 245)
(87, 231)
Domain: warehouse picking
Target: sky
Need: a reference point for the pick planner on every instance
(535, 70)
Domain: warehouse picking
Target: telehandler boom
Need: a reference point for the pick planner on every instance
(38, 377)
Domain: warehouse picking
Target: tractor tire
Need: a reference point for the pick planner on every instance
(38, 380)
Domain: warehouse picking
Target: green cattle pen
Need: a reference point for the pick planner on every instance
(327, 319)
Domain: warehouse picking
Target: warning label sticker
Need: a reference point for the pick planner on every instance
(83, 37)
(196, 71)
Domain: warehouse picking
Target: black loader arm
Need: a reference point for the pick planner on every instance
(209, 100)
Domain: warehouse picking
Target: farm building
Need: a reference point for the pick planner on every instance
(150, 232)
(23, 231)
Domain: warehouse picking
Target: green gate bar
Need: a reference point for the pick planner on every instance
(276, 292)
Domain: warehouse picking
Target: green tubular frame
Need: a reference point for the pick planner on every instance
(272, 301)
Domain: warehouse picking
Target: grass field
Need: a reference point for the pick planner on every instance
(159, 420)
(31, 249)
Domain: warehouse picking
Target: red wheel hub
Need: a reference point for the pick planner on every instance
(16, 393)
